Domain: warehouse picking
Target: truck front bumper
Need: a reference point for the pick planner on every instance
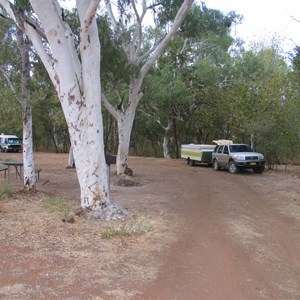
(250, 164)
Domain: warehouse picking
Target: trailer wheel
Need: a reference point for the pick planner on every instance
(190, 162)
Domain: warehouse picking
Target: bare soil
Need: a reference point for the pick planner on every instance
(208, 235)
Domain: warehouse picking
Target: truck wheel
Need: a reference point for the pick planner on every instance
(216, 165)
(191, 162)
(232, 168)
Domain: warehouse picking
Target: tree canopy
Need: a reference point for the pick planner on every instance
(197, 91)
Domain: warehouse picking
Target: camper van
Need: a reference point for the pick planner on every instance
(9, 143)
(199, 153)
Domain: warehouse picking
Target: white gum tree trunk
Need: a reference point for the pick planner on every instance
(71, 160)
(77, 81)
(125, 116)
(166, 140)
(28, 157)
(166, 151)
(125, 123)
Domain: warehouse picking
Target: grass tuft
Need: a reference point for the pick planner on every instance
(5, 192)
(57, 204)
(141, 226)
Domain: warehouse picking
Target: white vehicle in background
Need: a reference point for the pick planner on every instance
(9, 143)
(197, 153)
(237, 157)
(200, 153)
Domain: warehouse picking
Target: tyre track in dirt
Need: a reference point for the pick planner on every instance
(217, 236)
(234, 244)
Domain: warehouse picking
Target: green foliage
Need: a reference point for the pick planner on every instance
(23, 5)
(165, 11)
(202, 21)
(183, 88)
(199, 84)
(10, 108)
(114, 65)
(263, 89)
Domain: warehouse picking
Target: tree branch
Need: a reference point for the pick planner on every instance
(89, 15)
(148, 53)
(295, 19)
(31, 22)
(8, 8)
(138, 30)
(111, 15)
(182, 12)
(120, 30)
(38, 45)
(108, 106)
(10, 85)
(29, 28)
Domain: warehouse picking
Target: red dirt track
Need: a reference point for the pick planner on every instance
(217, 236)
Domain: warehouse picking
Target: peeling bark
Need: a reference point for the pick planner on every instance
(77, 82)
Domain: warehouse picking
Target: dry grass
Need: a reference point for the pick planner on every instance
(106, 251)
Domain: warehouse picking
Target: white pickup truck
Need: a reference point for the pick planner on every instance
(237, 157)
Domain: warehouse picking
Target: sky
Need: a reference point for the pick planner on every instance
(263, 19)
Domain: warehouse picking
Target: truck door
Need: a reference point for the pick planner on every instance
(224, 156)
(219, 154)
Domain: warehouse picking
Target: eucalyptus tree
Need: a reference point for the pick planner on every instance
(28, 158)
(23, 97)
(188, 83)
(127, 20)
(75, 73)
(166, 102)
(263, 94)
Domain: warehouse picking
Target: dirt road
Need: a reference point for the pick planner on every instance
(238, 239)
(217, 236)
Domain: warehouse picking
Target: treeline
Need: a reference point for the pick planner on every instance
(206, 86)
